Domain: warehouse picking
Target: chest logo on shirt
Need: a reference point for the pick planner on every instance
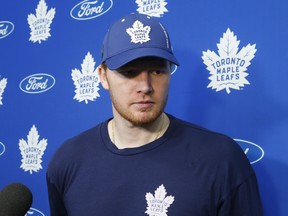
(158, 203)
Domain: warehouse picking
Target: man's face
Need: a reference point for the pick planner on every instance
(139, 89)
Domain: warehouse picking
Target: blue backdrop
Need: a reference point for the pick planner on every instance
(232, 79)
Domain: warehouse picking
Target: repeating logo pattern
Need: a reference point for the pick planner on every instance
(37, 83)
(40, 23)
(32, 151)
(139, 33)
(86, 81)
(154, 8)
(86, 9)
(6, 28)
(159, 203)
(3, 84)
(228, 69)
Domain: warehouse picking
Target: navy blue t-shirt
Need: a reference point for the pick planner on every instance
(189, 171)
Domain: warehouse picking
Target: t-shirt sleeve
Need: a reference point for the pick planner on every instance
(243, 200)
(57, 207)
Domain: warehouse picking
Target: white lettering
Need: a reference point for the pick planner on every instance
(34, 85)
(229, 61)
(87, 10)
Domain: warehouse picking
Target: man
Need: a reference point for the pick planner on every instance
(144, 161)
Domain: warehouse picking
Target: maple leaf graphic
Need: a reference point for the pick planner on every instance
(87, 81)
(32, 151)
(159, 203)
(139, 33)
(3, 83)
(156, 9)
(228, 61)
(40, 24)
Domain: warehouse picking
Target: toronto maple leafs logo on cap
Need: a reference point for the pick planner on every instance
(136, 36)
(139, 33)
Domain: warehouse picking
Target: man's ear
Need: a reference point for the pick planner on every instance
(102, 73)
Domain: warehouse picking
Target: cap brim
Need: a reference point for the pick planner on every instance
(123, 58)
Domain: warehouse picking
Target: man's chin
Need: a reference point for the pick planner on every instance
(143, 119)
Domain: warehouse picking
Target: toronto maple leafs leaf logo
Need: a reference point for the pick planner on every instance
(3, 83)
(139, 33)
(87, 81)
(152, 8)
(32, 151)
(40, 23)
(159, 203)
(229, 68)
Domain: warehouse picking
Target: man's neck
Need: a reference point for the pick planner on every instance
(125, 135)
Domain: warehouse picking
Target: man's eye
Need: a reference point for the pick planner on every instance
(129, 73)
(157, 72)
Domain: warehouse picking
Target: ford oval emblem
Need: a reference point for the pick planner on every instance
(6, 28)
(2, 148)
(34, 212)
(253, 151)
(90, 9)
(37, 83)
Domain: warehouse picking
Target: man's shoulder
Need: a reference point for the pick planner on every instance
(206, 141)
(87, 134)
(208, 146)
(197, 130)
(74, 146)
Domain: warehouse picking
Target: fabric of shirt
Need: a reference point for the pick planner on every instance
(189, 171)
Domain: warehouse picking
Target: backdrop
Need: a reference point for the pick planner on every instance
(232, 79)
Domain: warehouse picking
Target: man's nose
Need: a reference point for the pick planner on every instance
(144, 83)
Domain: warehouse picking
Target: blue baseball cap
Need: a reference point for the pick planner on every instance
(135, 36)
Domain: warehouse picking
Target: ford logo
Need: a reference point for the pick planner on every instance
(253, 151)
(2, 148)
(34, 212)
(37, 83)
(6, 28)
(90, 9)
